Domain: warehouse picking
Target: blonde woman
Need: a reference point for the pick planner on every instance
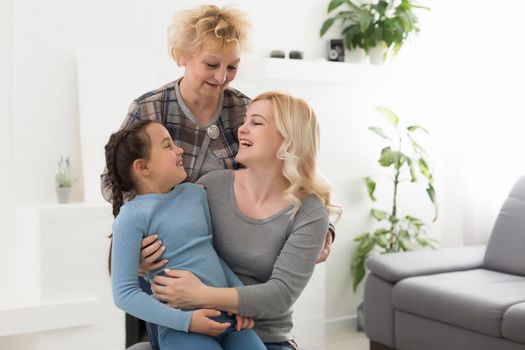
(269, 220)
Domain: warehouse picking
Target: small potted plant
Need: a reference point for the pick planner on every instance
(64, 180)
(375, 26)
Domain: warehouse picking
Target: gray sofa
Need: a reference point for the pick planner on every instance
(455, 298)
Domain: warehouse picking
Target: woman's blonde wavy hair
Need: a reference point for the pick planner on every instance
(224, 29)
(297, 123)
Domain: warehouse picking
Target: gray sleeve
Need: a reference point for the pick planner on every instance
(292, 269)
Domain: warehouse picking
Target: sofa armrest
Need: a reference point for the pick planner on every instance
(394, 267)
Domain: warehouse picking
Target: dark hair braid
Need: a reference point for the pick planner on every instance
(123, 148)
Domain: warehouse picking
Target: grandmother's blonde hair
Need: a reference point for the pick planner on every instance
(296, 121)
(225, 29)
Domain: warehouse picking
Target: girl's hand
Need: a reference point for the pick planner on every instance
(150, 252)
(201, 322)
(243, 322)
(179, 289)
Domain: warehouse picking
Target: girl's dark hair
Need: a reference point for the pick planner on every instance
(123, 148)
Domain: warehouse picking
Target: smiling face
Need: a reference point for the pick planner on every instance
(208, 73)
(259, 140)
(164, 164)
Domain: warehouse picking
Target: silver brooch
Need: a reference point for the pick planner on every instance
(213, 132)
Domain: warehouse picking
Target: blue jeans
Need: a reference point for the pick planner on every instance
(230, 339)
(153, 333)
(269, 346)
(151, 328)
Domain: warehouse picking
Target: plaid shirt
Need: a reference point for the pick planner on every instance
(201, 153)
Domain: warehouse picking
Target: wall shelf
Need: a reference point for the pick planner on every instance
(30, 318)
(321, 70)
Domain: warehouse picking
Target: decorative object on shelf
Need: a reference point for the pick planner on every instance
(375, 23)
(336, 50)
(64, 180)
(296, 55)
(277, 54)
(407, 162)
(378, 53)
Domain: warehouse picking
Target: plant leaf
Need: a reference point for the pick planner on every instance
(326, 25)
(366, 245)
(361, 237)
(423, 167)
(411, 166)
(379, 131)
(381, 231)
(432, 195)
(379, 215)
(371, 187)
(389, 157)
(335, 4)
(358, 270)
(414, 221)
(381, 241)
(417, 127)
(394, 119)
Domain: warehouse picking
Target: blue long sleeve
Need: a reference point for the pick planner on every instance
(128, 231)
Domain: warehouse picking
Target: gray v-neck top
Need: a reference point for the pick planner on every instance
(274, 257)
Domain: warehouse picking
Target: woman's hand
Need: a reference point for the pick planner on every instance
(201, 322)
(326, 249)
(150, 251)
(243, 322)
(179, 289)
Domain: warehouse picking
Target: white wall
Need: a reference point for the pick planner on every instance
(493, 76)
(6, 133)
(48, 34)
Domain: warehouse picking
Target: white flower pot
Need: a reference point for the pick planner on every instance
(63, 194)
(357, 55)
(377, 54)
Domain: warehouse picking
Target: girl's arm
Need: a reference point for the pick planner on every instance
(127, 295)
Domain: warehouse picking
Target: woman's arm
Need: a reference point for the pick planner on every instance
(290, 274)
(292, 269)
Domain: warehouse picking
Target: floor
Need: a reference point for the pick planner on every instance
(346, 340)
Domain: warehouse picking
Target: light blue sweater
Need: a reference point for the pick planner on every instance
(181, 218)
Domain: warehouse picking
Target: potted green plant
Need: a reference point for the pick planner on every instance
(375, 27)
(408, 163)
(64, 180)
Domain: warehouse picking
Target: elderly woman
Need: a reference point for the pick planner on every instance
(201, 112)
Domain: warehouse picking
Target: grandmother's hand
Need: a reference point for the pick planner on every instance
(326, 249)
(179, 289)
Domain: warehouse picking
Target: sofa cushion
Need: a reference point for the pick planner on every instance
(513, 324)
(473, 299)
(507, 241)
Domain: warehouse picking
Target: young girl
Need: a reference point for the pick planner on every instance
(143, 159)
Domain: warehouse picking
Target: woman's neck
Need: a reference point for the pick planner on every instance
(261, 184)
(202, 107)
